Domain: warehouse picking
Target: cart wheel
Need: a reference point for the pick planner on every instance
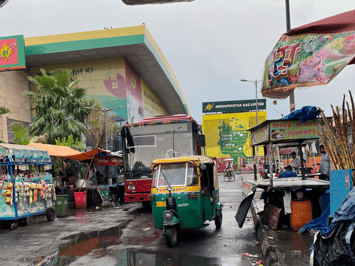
(218, 221)
(50, 214)
(171, 236)
(14, 226)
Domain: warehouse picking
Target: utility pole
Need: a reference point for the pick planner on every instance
(288, 27)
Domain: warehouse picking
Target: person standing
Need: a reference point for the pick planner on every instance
(92, 172)
(324, 167)
(296, 161)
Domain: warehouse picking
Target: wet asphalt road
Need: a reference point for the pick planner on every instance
(125, 235)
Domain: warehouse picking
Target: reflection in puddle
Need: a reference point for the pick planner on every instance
(137, 258)
(82, 244)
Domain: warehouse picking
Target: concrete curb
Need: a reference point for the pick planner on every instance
(268, 251)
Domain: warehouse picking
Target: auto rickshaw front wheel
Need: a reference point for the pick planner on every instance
(171, 236)
(218, 221)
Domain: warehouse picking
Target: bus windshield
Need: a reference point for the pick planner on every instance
(151, 142)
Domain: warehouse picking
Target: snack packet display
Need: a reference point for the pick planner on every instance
(35, 195)
(9, 201)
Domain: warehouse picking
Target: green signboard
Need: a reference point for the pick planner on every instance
(233, 106)
(293, 129)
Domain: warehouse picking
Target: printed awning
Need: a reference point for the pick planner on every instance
(310, 55)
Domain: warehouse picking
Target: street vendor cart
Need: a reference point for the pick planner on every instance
(110, 180)
(283, 195)
(105, 185)
(26, 184)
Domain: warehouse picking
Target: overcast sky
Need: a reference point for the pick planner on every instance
(210, 44)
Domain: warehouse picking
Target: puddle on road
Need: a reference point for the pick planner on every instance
(81, 244)
(135, 258)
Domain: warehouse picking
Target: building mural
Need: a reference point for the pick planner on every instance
(227, 134)
(116, 85)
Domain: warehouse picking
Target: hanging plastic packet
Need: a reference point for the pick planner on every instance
(9, 201)
(35, 195)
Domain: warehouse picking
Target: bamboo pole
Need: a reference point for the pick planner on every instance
(337, 143)
(327, 142)
(87, 172)
(333, 139)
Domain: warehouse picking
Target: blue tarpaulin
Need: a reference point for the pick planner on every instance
(346, 212)
(304, 114)
(320, 223)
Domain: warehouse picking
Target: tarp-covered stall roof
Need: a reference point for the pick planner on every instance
(89, 154)
(67, 152)
(54, 150)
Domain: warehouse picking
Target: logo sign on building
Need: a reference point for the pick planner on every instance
(233, 106)
(12, 53)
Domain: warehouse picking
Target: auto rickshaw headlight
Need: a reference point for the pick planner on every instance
(168, 216)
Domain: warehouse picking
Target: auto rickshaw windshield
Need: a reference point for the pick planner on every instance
(177, 174)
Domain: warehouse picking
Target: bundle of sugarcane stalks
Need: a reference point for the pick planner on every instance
(336, 142)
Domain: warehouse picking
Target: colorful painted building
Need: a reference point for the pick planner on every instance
(124, 69)
(227, 134)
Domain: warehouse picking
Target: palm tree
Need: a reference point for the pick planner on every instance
(60, 105)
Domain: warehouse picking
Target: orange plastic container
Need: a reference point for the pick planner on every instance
(80, 199)
(301, 213)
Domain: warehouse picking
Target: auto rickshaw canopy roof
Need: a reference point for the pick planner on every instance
(197, 159)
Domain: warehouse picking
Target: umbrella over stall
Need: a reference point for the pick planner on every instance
(310, 55)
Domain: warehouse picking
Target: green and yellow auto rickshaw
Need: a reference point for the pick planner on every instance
(184, 194)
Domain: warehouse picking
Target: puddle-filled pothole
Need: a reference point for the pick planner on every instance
(132, 258)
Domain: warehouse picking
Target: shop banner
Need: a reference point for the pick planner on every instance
(107, 160)
(12, 53)
(293, 129)
(233, 106)
(260, 135)
(306, 60)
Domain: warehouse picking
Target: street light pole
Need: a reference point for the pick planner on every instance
(256, 98)
(256, 102)
(256, 161)
(106, 143)
(105, 121)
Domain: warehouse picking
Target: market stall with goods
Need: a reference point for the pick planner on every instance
(26, 184)
(285, 198)
(99, 181)
(311, 55)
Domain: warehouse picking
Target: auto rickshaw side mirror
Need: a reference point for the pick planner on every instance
(203, 167)
(202, 140)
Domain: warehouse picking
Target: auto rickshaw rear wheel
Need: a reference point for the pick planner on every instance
(171, 236)
(218, 221)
